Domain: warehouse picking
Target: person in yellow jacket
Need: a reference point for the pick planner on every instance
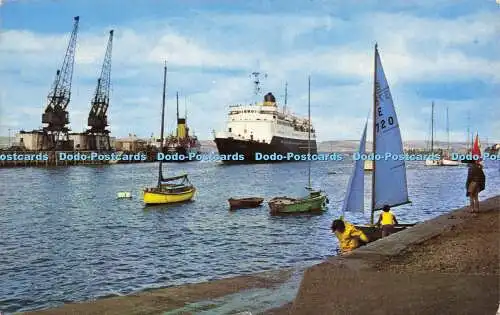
(349, 236)
(387, 220)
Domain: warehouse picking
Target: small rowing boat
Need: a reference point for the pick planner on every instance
(315, 202)
(245, 203)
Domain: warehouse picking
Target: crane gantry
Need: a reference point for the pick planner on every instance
(55, 117)
(97, 136)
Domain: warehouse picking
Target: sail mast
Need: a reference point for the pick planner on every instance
(309, 129)
(469, 137)
(162, 121)
(432, 128)
(374, 144)
(286, 97)
(448, 130)
(177, 121)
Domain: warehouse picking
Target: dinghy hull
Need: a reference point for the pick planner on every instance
(447, 162)
(374, 233)
(314, 203)
(244, 203)
(166, 197)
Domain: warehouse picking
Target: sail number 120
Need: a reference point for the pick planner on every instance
(383, 123)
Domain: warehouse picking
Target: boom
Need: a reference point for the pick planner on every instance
(98, 119)
(55, 114)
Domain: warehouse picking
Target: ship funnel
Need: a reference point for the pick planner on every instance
(181, 128)
(269, 100)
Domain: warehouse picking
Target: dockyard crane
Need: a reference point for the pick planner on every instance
(56, 116)
(98, 136)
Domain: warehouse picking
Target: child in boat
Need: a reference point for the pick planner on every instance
(387, 220)
(349, 236)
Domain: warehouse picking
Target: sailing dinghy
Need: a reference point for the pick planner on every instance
(389, 185)
(173, 189)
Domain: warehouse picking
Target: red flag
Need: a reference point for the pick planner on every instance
(476, 150)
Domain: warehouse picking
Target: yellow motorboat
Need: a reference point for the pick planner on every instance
(170, 193)
(166, 191)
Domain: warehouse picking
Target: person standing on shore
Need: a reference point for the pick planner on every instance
(476, 182)
(387, 220)
(349, 237)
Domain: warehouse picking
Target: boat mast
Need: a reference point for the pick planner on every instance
(286, 97)
(162, 121)
(469, 137)
(374, 144)
(177, 121)
(185, 108)
(448, 130)
(432, 128)
(309, 131)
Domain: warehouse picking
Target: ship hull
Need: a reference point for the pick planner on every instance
(249, 149)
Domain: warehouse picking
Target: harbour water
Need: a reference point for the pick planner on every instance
(65, 236)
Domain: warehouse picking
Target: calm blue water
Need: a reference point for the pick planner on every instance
(65, 237)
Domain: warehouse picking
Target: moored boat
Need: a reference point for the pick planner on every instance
(245, 203)
(433, 162)
(314, 202)
(167, 191)
(449, 162)
(444, 160)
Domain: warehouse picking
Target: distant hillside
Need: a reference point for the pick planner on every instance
(352, 145)
(339, 146)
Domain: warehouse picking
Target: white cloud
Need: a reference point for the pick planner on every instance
(413, 49)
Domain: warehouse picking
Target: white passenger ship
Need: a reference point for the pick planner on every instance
(264, 128)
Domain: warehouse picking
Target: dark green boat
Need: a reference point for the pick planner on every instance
(314, 202)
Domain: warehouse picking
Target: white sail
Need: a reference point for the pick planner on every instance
(389, 169)
(354, 199)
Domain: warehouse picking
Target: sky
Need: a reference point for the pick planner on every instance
(446, 51)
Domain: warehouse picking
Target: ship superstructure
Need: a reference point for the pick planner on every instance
(264, 128)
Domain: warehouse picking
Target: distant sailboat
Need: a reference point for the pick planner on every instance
(447, 160)
(444, 160)
(389, 185)
(430, 161)
(476, 149)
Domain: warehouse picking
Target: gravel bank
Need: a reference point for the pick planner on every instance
(469, 248)
(448, 265)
